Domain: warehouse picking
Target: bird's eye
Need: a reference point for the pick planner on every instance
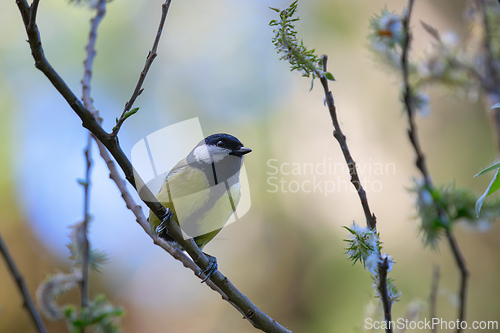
(221, 144)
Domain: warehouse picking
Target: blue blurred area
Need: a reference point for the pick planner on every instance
(226, 79)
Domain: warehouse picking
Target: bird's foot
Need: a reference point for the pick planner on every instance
(211, 268)
(161, 229)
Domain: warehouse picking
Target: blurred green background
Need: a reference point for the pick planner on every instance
(216, 62)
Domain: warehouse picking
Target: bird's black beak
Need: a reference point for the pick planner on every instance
(240, 151)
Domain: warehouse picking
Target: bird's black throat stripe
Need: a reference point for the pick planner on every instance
(213, 170)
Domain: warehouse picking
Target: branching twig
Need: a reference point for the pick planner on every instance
(421, 164)
(253, 314)
(149, 60)
(27, 300)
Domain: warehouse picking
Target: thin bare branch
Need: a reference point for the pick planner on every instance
(91, 53)
(149, 61)
(383, 267)
(407, 96)
(27, 300)
(84, 283)
(33, 11)
(371, 220)
(464, 275)
(422, 166)
(454, 61)
(88, 102)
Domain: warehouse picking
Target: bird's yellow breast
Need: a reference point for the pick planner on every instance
(200, 210)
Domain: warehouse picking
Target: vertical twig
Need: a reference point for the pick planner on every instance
(383, 267)
(27, 300)
(407, 95)
(433, 296)
(89, 60)
(421, 165)
(84, 284)
(464, 274)
(87, 100)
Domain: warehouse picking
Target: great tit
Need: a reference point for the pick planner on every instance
(203, 190)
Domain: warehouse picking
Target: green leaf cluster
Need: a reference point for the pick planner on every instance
(296, 53)
(126, 115)
(458, 204)
(99, 314)
(359, 247)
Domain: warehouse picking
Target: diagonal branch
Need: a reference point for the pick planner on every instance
(115, 176)
(371, 220)
(421, 165)
(27, 300)
(257, 318)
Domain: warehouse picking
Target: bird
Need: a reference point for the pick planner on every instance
(202, 191)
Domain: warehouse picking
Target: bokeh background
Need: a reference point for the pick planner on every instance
(216, 62)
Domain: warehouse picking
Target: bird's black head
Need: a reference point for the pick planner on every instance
(225, 144)
(219, 155)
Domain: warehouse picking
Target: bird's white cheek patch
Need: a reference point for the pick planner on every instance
(201, 154)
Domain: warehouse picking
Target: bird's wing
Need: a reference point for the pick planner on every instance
(200, 210)
(183, 191)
